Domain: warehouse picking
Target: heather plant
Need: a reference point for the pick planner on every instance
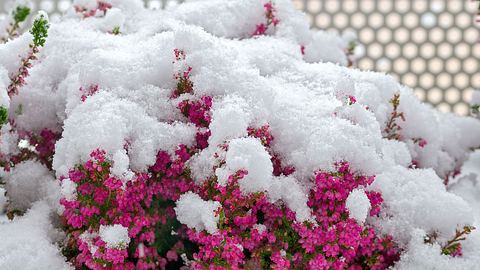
(270, 17)
(392, 128)
(202, 137)
(39, 33)
(97, 8)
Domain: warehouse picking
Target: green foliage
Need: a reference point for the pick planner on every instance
(476, 108)
(20, 14)
(351, 46)
(40, 31)
(3, 115)
(454, 244)
(116, 30)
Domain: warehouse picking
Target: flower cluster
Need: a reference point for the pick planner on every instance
(197, 111)
(420, 141)
(143, 205)
(351, 100)
(90, 91)
(44, 144)
(184, 84)
(101, 8)
(39, 146)
(271, 19)
(257, 234)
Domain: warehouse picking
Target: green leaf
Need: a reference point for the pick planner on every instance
(116, 30)
(476, 108)
(21, 13)
(3, 115)
(40, 30)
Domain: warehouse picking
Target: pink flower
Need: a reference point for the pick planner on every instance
(351, 100)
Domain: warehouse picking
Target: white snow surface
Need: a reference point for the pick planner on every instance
(28, 182)
(27, 242)
(253, 81)
(115, 236)
(194, 212)
(358, 205)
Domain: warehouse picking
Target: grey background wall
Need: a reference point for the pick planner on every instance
(429, 45)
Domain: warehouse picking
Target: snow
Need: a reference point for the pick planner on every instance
(250, 155)
(358, 205)
(288, 190)
(68, 189)
(230, 119)
(253, 81)
(417, 199)
(196, 213)
(332, 51)
(419, 255)
(115, 236)
(28, 182)
(27, 242)
(3, 200)
(107, 122)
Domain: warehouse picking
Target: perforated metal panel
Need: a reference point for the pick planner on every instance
(429, 45)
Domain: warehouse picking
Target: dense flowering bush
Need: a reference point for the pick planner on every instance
(216, 135)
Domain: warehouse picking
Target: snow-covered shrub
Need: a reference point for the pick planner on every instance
(219, 135)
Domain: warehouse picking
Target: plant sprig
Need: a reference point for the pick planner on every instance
(19, 15)
(452, 245)
(392, 128)
(40, 30)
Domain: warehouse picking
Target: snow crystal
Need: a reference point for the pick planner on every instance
(196, 213)
(358, 205)
(115, 236)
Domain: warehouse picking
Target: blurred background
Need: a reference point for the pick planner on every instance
(430, 45)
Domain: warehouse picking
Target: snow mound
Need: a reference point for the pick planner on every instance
(27, 242)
